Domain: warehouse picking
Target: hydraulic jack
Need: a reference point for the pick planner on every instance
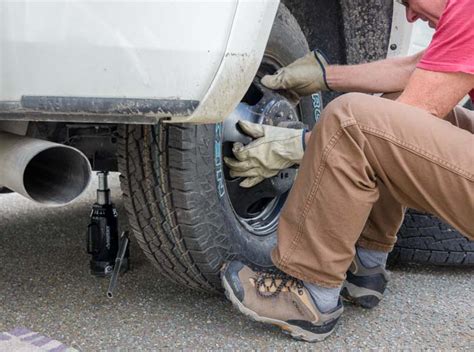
(103, 242)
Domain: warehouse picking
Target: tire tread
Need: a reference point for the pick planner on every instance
(153, 206)
(425, 239)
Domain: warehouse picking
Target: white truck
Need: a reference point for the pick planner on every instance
(153, 89)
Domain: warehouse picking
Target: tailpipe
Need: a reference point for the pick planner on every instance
(47, 173)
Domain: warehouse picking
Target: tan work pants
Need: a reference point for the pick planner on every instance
(368, 158)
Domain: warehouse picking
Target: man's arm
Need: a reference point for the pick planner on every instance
(384, 76)
(436, 92)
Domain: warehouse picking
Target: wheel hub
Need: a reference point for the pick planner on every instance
(278, 111)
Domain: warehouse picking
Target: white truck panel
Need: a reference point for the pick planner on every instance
(133, 49)
(201, 53)
(401, 32)
(250, 32)
(421, 37)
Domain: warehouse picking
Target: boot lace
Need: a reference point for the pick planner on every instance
(270, 283)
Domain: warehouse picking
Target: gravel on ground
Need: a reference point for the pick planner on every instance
(45, 286)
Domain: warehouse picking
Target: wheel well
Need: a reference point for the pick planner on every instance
(347, 31)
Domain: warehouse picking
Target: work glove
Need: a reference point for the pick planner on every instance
(274, 149)
(305, 76)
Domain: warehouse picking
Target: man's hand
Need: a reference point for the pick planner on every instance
(304, 77)
(274, 149)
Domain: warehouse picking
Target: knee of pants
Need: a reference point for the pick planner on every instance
(346, 107)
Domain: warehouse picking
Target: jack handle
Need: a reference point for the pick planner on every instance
(123, 244)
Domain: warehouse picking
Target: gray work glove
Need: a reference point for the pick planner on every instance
(274, 149)
(305, 76)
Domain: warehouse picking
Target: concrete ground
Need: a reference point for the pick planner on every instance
(45, 287)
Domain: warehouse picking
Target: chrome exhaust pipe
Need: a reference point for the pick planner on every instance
(47, 173)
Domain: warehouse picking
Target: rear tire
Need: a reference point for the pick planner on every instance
(425, 239)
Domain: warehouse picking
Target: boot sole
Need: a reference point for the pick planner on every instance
(366, 301)
(295, 331)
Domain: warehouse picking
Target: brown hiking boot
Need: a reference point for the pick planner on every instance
(276, 298)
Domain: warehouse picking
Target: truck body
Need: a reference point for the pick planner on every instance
(135, 62)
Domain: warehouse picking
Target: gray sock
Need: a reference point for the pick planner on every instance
(371, 258)
(325, 298)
